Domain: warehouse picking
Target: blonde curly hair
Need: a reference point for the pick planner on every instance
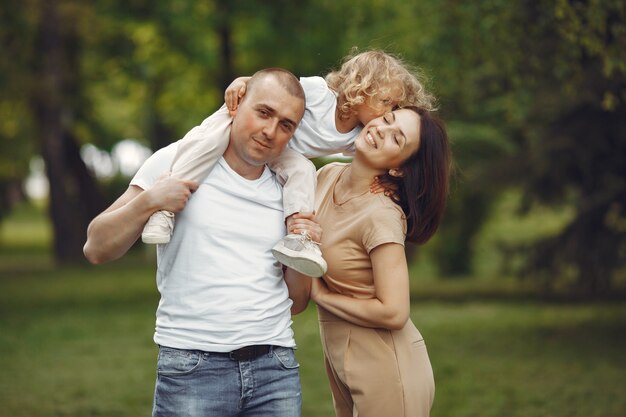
(377, 74)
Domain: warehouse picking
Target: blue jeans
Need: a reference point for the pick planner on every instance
(192, 383)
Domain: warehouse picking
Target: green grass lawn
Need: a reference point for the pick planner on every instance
(78, 342)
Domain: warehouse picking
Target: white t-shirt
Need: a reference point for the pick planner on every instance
(221, 288)
(317, 133)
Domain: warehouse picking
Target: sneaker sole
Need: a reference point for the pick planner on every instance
(154, 239)
(300, 264)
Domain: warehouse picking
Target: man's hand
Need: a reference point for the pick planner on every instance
(171, 194)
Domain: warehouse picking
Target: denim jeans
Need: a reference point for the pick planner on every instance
(192, 383)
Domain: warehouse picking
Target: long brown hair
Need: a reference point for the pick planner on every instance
(422, 191)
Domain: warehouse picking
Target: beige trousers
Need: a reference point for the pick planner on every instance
(376, 372)
(200, 149)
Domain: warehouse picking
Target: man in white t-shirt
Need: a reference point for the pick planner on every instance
(224, 318)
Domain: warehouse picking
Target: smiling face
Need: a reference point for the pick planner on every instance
(265, 120)
(386, 142)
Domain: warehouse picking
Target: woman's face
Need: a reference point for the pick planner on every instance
(387, 141)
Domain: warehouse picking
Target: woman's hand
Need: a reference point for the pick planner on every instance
(234, 92)
(318, 290)
(305, 223)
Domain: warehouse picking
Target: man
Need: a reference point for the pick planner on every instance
(223, 321)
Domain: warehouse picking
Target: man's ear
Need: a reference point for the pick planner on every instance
(396, 172)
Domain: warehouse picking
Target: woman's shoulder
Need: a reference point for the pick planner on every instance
(383, 221)
(381, 209)
(380, 201)
(331, 169)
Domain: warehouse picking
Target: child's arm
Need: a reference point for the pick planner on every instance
(234, 92)
(383, 184)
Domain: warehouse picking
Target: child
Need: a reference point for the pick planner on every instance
(367, 85)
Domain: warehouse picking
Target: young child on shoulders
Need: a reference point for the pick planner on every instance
(368, 85)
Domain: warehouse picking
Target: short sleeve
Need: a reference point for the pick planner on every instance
(159, 163)
(315, 90)
(388, 225)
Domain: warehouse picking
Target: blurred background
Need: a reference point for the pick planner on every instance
(521, 295)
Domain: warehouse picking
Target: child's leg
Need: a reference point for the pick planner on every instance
(298, 176)
(200, 149)
(198, 152)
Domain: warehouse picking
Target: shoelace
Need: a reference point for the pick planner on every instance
(307, 237)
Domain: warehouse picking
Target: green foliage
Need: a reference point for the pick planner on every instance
(16, 148)
(78, 341)
(533, 93)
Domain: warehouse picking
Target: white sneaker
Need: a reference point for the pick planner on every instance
(159, 227)
(301, 254)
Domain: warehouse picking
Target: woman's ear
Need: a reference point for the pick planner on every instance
(396, 172)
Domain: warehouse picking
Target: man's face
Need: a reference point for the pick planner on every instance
(263, 123)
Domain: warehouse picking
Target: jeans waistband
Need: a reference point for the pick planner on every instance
(246, 353)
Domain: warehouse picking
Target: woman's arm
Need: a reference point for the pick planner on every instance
(389, 308)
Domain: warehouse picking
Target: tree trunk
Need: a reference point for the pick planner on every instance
(74, 197)
(227, 73)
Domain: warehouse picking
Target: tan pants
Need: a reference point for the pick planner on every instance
(376, 372)
(200, 149)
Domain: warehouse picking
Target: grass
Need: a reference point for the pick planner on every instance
(78, 342)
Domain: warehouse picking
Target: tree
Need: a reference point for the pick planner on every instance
(578, 151)
(54, 100)
(15, 123)
(545, 81)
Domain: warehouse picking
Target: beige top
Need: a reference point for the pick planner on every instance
(351, 230)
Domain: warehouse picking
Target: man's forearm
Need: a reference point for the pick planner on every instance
(112, 233)
(299, 290)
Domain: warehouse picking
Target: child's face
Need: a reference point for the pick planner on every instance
(379, 104)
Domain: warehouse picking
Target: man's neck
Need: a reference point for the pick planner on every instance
(244, 169)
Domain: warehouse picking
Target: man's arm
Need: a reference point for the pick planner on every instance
(114, 231)
(299, 290)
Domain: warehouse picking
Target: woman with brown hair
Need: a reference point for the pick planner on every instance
(375, 357)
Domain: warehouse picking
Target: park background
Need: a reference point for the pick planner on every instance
(521, 295)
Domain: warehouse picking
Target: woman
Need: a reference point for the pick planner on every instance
(376, 359)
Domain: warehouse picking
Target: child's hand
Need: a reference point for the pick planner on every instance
(380, 186)
(305, 222)
(234, 92)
